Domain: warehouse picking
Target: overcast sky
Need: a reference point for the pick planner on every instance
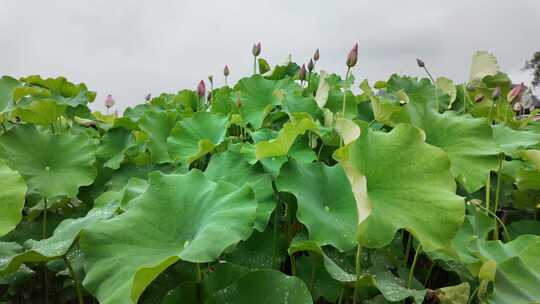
(131, 48)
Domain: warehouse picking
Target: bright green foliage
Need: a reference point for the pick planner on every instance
(272, 190)
(184, 217)
(393, 180)
(42, 157)
(195, 136)
(11, 198)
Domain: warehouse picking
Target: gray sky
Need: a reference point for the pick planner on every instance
(131, 48)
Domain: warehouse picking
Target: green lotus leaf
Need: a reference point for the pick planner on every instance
(483, 64)
(511, 141)
(58, 244)
(522, 227)
(42, 157)
(197, 135)
(12, 197)
(231, 167)
(391, 287)
(58, 89)
(399, 181)
(179, 217)
(267, 286)
(468, 141)
(41, 112)
(447, 86)
(114, 145)
(7, 87)
(158, 126)
(326, 203)
(311, 270)
(280, 145)
(258, 97)
(458, 294)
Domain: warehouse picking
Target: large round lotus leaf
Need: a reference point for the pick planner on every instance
(58, 89)
(158, 126)
(265, 287)
(231, 167)
(7, 85)
(41, 112)
(187, 217)
(197, 135)
(114, 145)
(399, 181)
(326, 204)
(467, 140)
(259, 96)
(58, 244)
(511, 141)
(53, 165)
(11, 198)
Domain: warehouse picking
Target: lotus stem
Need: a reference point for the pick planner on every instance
(357, 266)
(341, 295)
(506, 234)
(497, 195)
(75, 278)
(274, 237)
(488, 191)
(428, 275)
(312, 281)
(254, 65)
(411, 271)
(199, 274)
(345, 90)
(408, 249)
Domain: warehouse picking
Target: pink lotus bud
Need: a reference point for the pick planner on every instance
(201, 88)
(316, 55)
(256, 49)
(478, 98)
(310, 65)
(352, 57)
(516, 91)
(420, 63)
(148, 97)
(302, 73)
(496, 93)
(109, 101)
(226, 71)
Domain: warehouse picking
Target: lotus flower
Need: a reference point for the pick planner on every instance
(515, 92)
(256, 49)
(109, 101)
(316, 55)
(310, 65)
(353, 56)
(226, 71)
(201, 88)
(302, 73)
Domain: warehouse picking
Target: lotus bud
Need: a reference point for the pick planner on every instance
(209, 97)
(310, 65)
(226, 71)
(316, 55)
(517, 107)
(420, 63)
(496, 93)
(148, 97)
(515, 92)
(256, 49)
(478, 98)
(109, 101)
(211, 78)
(352, 57)
(302, 73)
(201, 88)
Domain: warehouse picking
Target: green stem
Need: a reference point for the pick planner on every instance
(488, 191)
(312, 282)
(471, 297)
(464, 99)
(76, 280)
(254, 65)
(408, 249)
(341, 295)
(435, 84)
(44, 223)
(199, 274)
(309, 81)
(345, 87)
(428, 275)
(274, 239)
(357, 266)
(293, 265)
(491, 112)
(411, 271)
(506, 234)
(45, 282)
(497, 194)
